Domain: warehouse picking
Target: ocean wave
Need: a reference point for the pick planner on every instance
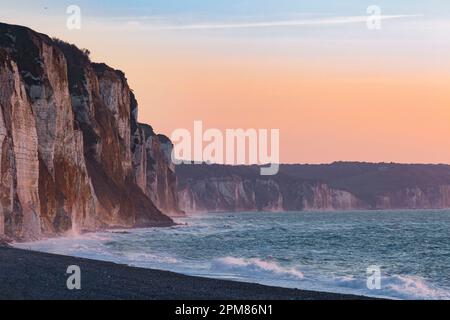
(255, 268)
(404, 287)
(266, 272)
(414, 287)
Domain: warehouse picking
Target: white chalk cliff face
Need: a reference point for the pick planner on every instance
(338, 186)
(154, 170)
(67, 130)
(233, 194)
(19, 166)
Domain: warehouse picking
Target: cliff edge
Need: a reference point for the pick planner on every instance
(73, 155)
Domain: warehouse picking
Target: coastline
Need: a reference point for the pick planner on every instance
(34, 275)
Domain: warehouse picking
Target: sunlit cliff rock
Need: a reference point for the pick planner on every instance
(72, 151)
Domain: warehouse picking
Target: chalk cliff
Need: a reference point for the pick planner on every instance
(72, 151)
(154, 170)
(337, 186)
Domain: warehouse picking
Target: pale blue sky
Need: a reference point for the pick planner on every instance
(226, 9)
(344, 7)
(432, 21)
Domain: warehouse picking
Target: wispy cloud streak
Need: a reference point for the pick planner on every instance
(275, 24)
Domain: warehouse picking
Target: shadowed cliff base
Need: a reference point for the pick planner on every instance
(33, 275)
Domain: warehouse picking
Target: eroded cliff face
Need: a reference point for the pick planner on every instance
(340, 186)
(19, 167)
(154, 170)
(234, 194)
(429, 197)
(66, 142)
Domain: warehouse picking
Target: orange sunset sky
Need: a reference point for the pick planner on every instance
(336, 90)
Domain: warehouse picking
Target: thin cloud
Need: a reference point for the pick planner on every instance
(275, 24)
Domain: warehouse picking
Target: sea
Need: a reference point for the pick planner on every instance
(388, 254)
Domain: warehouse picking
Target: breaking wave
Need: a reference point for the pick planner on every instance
(414, 287)
(272, 273)
(255, 268)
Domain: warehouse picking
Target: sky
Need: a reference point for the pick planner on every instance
(337, 90)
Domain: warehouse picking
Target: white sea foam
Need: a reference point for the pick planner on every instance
(139, 258)
(270, 272)
(255, 268)
(394, 287)
(414, 287)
